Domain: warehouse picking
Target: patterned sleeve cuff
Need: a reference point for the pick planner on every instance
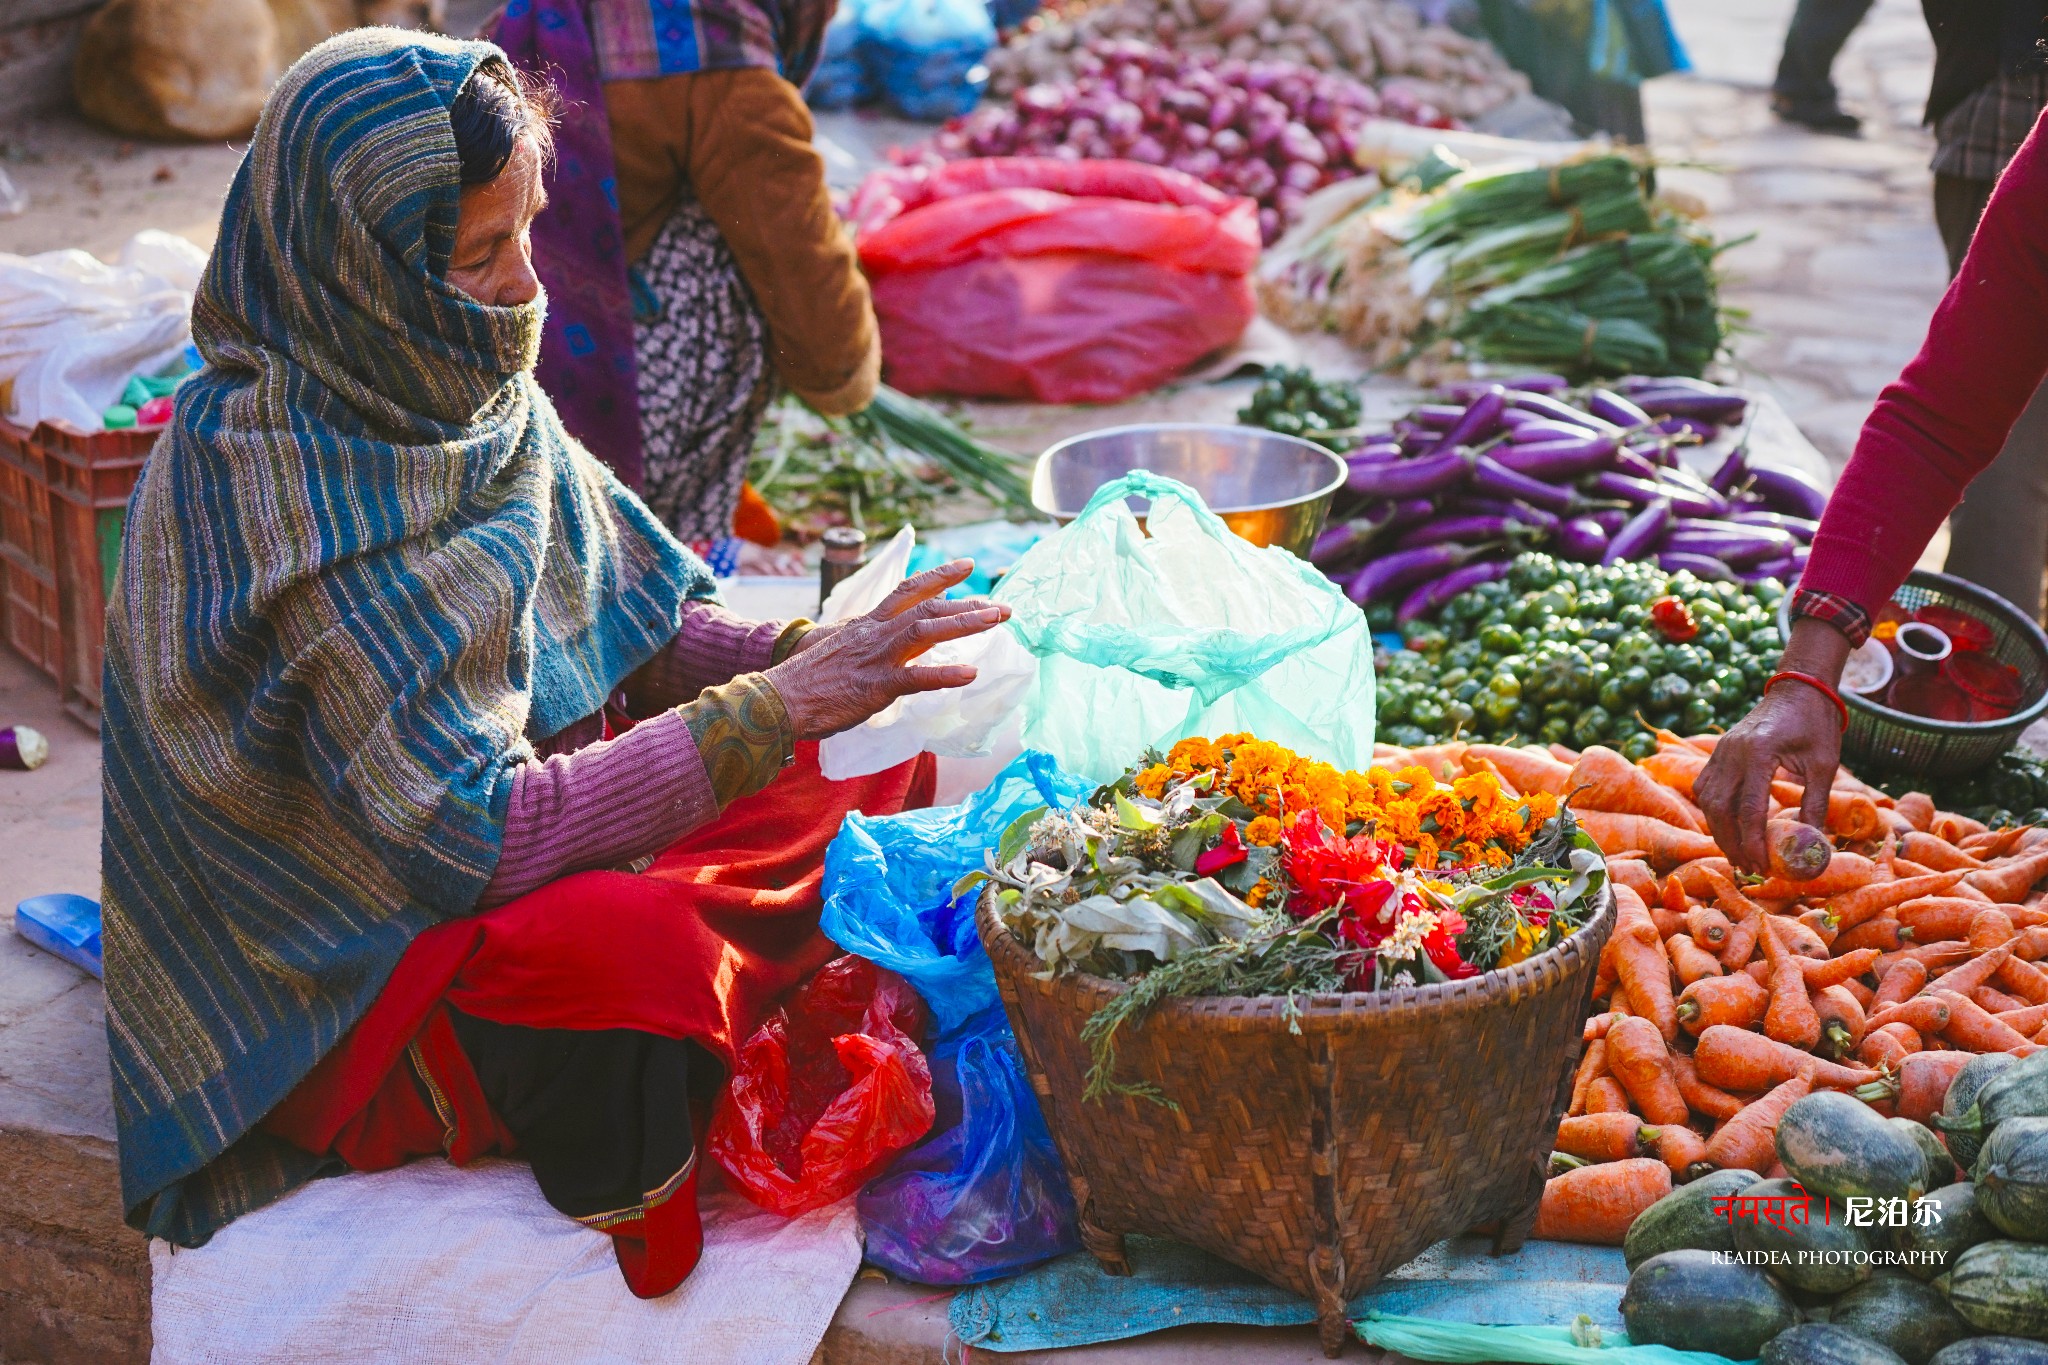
(743, 735)
(1836, 610)
(792, 635)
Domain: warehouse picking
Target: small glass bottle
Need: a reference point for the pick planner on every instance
(845, 551)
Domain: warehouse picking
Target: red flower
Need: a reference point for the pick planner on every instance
(1229, 852)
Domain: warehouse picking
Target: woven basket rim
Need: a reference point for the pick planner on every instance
(1472, 993)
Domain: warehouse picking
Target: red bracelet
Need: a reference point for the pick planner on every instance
(1789, 675)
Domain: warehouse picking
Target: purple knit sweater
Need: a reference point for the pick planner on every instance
(588, 802)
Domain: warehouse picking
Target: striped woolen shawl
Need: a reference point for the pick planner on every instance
(363, 569)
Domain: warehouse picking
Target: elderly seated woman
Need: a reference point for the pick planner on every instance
(389, 868)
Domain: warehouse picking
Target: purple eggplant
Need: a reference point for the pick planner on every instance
(1367, 459)
(1346, 539)
(1699, 566)
(1686, 428)
(1737, 550)
(1468, 505)
(1633, 384)
(1712, 407)
(1479, 421)
(1801, 528)
(1409, 478)
(1610, 406)
(1635, 464)
(1583, 539)
(1557, 461)
(1543, 405)
(1538, 383)
(1690, 493)
(1644, 529)
(1432, 596)
(1730, 472)
(1780, 569)
(1788, 491)
(1491, 476)
(1436, 416)
(1391, 573)
(1610, 519)
(1466, 529)
(1627, 487)
(1548, 429)
(1375, 448)
(1408, 511)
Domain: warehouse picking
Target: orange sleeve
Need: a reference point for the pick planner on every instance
(740, 141)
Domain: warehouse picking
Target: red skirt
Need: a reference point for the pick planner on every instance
(694, 951)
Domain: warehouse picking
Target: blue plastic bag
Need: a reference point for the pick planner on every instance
(842, 79)
(64, 924)
(889, 880)
(926, 55)
(985, 1195)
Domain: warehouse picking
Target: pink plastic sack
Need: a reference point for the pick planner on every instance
(827, 1091)
(1063, 281)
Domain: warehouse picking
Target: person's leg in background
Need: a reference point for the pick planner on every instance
(1998, 537)
(1805, 89)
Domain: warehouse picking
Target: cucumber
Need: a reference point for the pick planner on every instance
(2002, 1287)
(1964, 1139)
(2012, 1179)
(1900, 1312)
(1839, 1146)
(1692, 1300)
(1992, 1351)
(1957, 1225)
(1822, 1256)
(1816, 1343)
(2019, 1091)
(1684, 1219)
(1941, 1167)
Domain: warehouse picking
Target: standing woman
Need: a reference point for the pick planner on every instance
(689, 248)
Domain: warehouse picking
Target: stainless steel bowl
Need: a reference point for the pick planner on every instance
(1270, 489)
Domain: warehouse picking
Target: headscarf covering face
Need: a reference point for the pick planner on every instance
(579, 248)
(363, 568)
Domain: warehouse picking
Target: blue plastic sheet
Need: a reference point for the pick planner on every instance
(64, 924)
(985, 1195)
(926, 55)
(1423, 1339)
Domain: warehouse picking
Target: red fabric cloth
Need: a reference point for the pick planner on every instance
(1948, 413)
(700, 947)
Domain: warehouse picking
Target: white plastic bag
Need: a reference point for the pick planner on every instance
(958, 722)
(74, 329)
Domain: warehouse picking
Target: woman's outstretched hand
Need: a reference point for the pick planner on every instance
(1794, 727)
(841, 674)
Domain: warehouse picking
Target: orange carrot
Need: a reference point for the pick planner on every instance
(1708, 925)
(2031, 945)
(1596, 1028)
(1562, 754)
(1749, 1140)
(1636, 1056)
(1851, 908)
(1918, 808)
(1746, 914)
(1931, 850)
(1797, 936)
(1668, 921)
(1935, 957)
(1443, 761)
(2009, 882)
(1667, 844)
(1923, 1081)
(1790, 1017)
(1632, 916)
(1735, 1059)
(1635, 874)
(1605, 1096)
(1995, 844)
(1927, 1013)
(1997, 1001)
(1973, 974)
(1528, 770)
(1689, 960)
(1934, 919)
(1844, 872)
(2028, 1021)
(1603, 780)
(1851, 815)
(1822, 926)
(1644, 970)
(1864, 994)
(1972, 1026)
(1821, 973)
(1694, 877)
(1712, 1101)
(1737, 1000)
(2024, 979)
(1989, 927)
(1592, 1065)
(1841, 1019)
(1603, 1137)
(1759, 971)
(1597, 1204)
(1680, 1149)
(1900, 982)
(1603, 970)
(1884, 933)
(1886, 1047)
(1956, 828)
(1675, 768)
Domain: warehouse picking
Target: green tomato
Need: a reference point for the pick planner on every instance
(1532, 572)
(1424, 638)
(1504, 684)
(1639, 746)
(1698, 715)
(1528, 717)
(1393, 705)
(1690, 662)
(1465, 654)
(1450, 678)
(1635, 681)
(1555, 730)
(1707, 690)
(1591, 726)
(1457, 716)
(1612, 696)
(1606, 632)
(1468, 690)
(1406, 736)
(1729, 676)
(1497, 709)
(1501, 639)
(1427, 711)
(1668, 692)
(1714, 640)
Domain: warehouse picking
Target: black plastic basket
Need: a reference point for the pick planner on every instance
(1885, 740)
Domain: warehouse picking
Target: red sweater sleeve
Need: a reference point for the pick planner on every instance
(1947, 414)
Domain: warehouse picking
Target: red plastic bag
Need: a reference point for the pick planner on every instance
(1063, 281)
(827, 1090)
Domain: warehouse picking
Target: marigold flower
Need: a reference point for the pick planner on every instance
(1152, 781)
(1263, 832)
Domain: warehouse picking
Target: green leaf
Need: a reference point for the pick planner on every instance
(1017, 837)
(1190, 839)
(1131, 816)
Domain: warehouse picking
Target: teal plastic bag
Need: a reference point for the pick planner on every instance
(1428, 1339)
(1146, 636)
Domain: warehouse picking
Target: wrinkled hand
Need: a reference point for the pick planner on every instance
(1794, 727)
(839, 676)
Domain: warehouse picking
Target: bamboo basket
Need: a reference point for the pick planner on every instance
(1318, 1159)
